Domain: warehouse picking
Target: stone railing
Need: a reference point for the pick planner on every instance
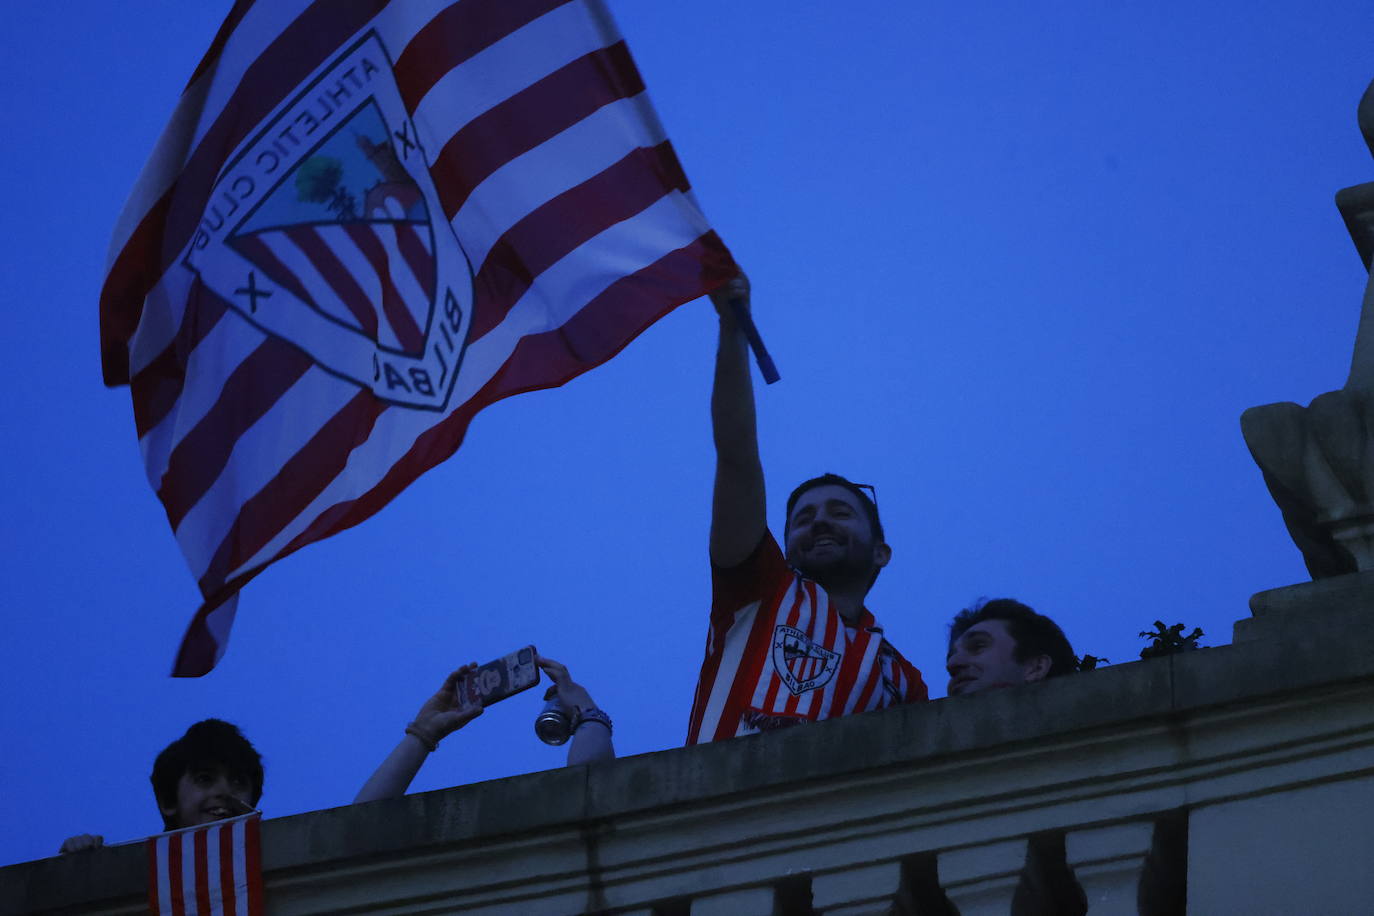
(1237, 779)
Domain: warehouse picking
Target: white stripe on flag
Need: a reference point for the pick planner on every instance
(359, 269)
(522, 185)
(369, 280)
(163, 310)
(257, 457)
(188, 872)
(399, 23)
(161, 317)
(240, 868)
(212, 873)
(569, 284)
(164, 879)
(408, 286)
(219, 354)
(284, 246)
(219, 621)
(499, 71)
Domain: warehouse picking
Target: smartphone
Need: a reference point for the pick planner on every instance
(496, 680)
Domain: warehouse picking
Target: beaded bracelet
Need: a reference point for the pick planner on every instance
(592, 714)
(423, 735)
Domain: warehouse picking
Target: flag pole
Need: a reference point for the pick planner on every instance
(751, 332)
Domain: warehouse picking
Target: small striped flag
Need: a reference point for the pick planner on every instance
(366, 221)
(212, 870)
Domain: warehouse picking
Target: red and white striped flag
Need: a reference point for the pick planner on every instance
(366, 221)
(212, 870)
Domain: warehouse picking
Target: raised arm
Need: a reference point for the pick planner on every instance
(441, 715)
(738, 511)
(591, 739)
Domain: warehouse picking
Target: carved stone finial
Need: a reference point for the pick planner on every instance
(1318, 461)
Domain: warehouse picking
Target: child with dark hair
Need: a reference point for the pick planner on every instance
(209, 773)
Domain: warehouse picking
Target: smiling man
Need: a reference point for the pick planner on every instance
(1004, 643)
(790, 639)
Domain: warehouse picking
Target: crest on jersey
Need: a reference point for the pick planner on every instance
(801, 663)
(326, 230)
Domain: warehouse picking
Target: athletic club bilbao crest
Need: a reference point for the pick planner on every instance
(325, 230)
(802, 664)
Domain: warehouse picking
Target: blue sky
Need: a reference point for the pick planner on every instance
(1021, 268)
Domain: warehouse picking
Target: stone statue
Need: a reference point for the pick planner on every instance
(1318, 461)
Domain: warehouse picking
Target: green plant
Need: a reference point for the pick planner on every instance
(1168, 640)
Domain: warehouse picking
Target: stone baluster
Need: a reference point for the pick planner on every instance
(1108, 863)
(740, 901)
(981, 880)
(867, 890)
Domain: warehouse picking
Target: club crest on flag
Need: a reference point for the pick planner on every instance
(325, 229)
(801, 663)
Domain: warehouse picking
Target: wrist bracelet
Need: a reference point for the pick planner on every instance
(592, 714)
(423, 735)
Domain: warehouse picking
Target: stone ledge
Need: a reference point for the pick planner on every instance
(570, 813)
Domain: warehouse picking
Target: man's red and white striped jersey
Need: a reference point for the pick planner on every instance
(778, 653)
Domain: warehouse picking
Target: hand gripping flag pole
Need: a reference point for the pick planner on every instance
(751, 331)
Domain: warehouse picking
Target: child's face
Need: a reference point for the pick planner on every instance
(206, 794)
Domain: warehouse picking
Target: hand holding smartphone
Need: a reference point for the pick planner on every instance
(501, 678)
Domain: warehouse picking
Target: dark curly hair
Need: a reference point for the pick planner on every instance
(209, 743)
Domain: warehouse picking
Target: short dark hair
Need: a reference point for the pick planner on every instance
(1034, 634)
(870, 507)
(207, 744)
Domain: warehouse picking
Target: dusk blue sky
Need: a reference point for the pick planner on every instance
(1021, 266)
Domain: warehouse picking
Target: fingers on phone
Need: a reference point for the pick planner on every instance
(556, 670)
(458, 673)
